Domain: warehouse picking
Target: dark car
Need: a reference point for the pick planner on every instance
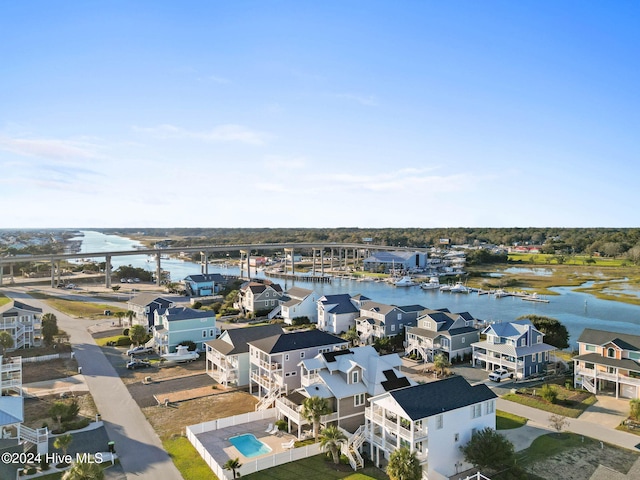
(135, 364)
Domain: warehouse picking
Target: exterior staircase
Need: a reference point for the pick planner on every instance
(351, 448)
(589, 384)
(268, 400)
(39, 438)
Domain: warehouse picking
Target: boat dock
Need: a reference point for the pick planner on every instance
(305, 278)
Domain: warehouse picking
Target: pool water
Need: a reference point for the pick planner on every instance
(249, 446)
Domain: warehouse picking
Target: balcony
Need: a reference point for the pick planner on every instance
(401, 428)
(294, 412)
(497, 359)
(307, 380)
(612, 377)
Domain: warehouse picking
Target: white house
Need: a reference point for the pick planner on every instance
(337, 313)
(433, 420)
(299, 302)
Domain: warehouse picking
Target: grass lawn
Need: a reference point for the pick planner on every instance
(187, 459)
(316, 468)
(570, 403)
(506, 421)
(76, 308)
(4, 300)
(102, 342)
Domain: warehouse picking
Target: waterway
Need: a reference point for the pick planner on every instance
(576, 310)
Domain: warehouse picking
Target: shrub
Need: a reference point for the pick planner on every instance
(77, 425)
(125, 332)
(197, 305)
(72, 411)
(634, 409)
(31, 470)
(549, 393)
(123, 342)
(191, 346)
(282, 425)
(300, 321)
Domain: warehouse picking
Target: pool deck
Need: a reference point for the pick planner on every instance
(218, 445)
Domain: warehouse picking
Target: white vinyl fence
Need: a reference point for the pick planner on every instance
(42, 358)
(252, 466)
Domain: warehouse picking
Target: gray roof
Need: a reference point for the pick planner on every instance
(510, 329)
(184, 313)
(411, 308)
(342, 302)
(434, 398)
(299, 293)
(145, 299)
(624, 363)
(626, 341)
(512, 350)
(287, 342)
(19, 305)
(208, 277)
(239, 338)
(259, 287)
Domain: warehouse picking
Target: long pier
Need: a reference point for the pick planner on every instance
(339, 252)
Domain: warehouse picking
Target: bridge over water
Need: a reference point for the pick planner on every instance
(318, 251)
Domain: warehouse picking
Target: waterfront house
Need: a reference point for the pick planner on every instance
(608, 362)
(398, 261)
(274, 361)
(378, 320)
(259, 296)
(337, 313)
(440, 331)
(227, 357)
(517, 346)
(299, 302)
(175, 325)
(23, 322)
(432, 420)
(346, 378)
(203, 285)
(144, 306)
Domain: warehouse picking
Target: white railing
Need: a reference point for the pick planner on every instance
(307, 380)
(351, 446)
(607, 376)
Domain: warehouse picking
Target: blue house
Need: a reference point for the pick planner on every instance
(203, 284)
(144, 306)
(517, 346)
(176, 325)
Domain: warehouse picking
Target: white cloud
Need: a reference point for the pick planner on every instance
(48, 148)
(221, 133)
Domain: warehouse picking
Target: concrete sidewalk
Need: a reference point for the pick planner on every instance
(75, 383)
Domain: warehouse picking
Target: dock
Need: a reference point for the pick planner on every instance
(302, 278)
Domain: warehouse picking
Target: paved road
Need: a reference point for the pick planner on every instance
(138, 446)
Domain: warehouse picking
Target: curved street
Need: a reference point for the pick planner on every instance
(137, 444)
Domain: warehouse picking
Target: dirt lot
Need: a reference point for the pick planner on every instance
(580, 463)
(36, 409)
(168, 421)
(52, 369)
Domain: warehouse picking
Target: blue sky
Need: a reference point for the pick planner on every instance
(319, 114)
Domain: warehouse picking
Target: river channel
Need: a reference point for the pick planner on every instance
(576, 310)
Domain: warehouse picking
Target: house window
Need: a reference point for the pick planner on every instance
(611, 370)
(476, 410)
(393, 328)
(204, 334)
(463, 340)
(439, 422)
(634, 356)
(354, 377)
(266, 294)
(589, 366)
(490, 407)
(301, 354)
(590, 348)
(611, 353)
(212, 333)
(456, 437)
(286, 357)
(399, 316)
(358, 400)
(294, 373)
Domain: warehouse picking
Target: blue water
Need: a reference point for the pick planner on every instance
(249, 446)
(576, 310)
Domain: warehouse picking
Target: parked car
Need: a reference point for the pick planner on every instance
(499, 374)
(141, 350)
(135, 364)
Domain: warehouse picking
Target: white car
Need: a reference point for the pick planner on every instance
(499, 374)
(141, 350)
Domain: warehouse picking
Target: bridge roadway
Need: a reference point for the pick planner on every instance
(205, 250)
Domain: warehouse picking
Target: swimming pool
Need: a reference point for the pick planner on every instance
(249, 446)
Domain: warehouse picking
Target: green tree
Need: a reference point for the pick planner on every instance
(312, 409)
(331, 439)
(63, 442)
(119, 315)
(404, 465)
(441, 363)
(137, 334)
(49, 327)
(351, 335)
(489, 451)
(130, 314)
(549, 393)
(6, 341)
(634, 409)
(84, 471)
(555, 333)
(234, 465)
(57, 411)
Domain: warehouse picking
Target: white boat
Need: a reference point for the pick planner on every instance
(182, 354)
(405, 282)
(446, 288)
(432, 284)
(459, 288)
(501, 293)
(534, 298)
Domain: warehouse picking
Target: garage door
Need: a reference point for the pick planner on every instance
(628, 391)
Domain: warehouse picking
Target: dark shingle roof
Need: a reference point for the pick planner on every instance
(21, 306)
(411, 308)
(433, 398)
(184, 313)
(393, 382)
(342, 301)
(145, 299)
(296, 341)
(624, 363)
(208, 277)
(241, 336)
(602, 337)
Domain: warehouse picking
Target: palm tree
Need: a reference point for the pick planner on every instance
(233, 465)
(130, 314)
(84, 471)
(441, 362)
(6, 341)
(119, 315)
(63, 442)
(332, 439)
(404, 465)
(352, 336)
(312, 409)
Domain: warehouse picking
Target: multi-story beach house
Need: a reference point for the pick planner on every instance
(346, 378)
(433, 420)
(299, 302)
(205, 284)
(227, 357)
(175, 325)
(440, 331)
(338, 313)
(608, 362)
(23, 322)
(517, 346)
(274, 361)
(144, 307)
(259, 297)
(378, 320)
